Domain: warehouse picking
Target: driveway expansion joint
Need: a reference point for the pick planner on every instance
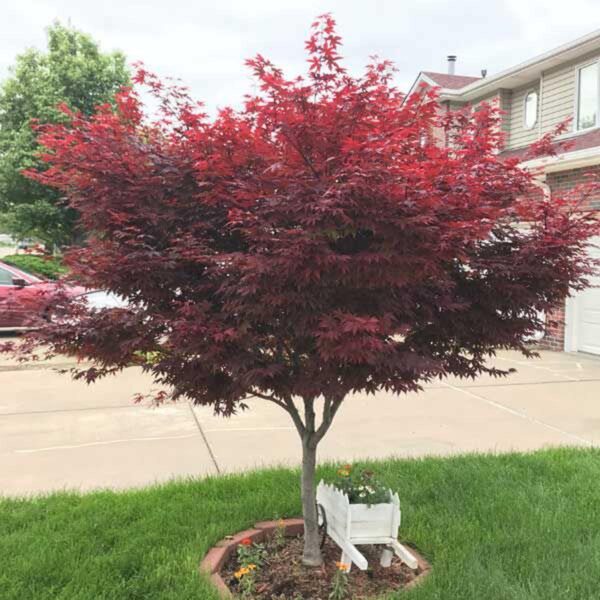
(40, 366)
(522, 415)
(103, 443)
(213, 458)
(475, 386)
(63, 410)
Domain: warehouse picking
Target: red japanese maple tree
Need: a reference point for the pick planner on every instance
(314, 244)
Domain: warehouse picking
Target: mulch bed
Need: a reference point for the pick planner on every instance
(283, 577)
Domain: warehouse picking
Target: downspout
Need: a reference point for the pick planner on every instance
(540, 105)
(541, 183)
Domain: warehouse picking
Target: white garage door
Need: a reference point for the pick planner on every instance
(587, 314)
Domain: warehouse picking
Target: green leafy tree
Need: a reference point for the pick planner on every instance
(73, 71)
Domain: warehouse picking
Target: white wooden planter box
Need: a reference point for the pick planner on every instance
(349, 525)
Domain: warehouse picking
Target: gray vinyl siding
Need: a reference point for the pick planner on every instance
(501, 99)
(505, 107)
(518, 134)
(489, 98)
(558, 101)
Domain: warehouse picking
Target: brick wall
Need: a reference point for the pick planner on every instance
(565, 181)
(555, 330)
(561, 183)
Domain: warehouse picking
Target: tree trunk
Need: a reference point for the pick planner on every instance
(312, 549)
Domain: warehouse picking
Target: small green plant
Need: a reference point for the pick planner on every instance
(246, 577)
(339, 584)
(250, 557)
(249, 553)
(279, 534)
(361, 487)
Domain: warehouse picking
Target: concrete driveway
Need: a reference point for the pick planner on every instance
(57, 434)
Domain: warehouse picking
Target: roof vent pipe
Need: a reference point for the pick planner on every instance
(451, 63)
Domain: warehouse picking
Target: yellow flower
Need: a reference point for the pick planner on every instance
(244, 571)
(343, 473)
(342, 566)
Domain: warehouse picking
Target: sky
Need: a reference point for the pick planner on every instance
(205, 43)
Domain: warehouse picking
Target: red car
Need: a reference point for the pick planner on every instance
(23, 296)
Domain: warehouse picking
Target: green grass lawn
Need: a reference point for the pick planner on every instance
(495, 527)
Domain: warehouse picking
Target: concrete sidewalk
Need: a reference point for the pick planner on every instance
(60, 434)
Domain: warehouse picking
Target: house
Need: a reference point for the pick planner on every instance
(535, 96)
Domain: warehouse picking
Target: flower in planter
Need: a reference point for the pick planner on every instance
(246, 578)
(339, 583)
(249, 553)
(242, 571)
(361, 487)
(279, 534)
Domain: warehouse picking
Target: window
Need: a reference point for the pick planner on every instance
(587, 97)
(6, 277)
(531, 108)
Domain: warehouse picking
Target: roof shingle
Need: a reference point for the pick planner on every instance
(453, 82)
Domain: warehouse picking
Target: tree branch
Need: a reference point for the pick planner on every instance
(295, 414)
(269, 398)
(287, 405)
(330, 409)
(298, 149)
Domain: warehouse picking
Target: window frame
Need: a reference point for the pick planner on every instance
(594, 62)
(537, 109)
(4, 270)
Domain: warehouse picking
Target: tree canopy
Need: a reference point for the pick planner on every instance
(73, 70)
(315, 244)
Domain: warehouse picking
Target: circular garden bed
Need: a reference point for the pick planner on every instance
(277, 572)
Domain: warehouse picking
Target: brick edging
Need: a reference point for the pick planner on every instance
(217, 556)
